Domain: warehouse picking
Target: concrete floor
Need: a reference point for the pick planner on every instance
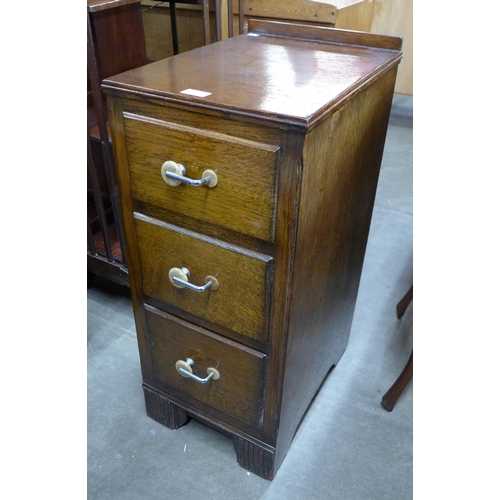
(348, 446)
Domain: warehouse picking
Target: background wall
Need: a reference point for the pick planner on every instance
(395, 17)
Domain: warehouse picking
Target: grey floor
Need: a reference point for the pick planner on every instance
(348, 446)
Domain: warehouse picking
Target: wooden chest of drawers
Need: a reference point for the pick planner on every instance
(247, 173)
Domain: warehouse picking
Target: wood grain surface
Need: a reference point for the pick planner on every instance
(324, 99)
(242, 300)
(238, 391)
(119, 38)
(244, 198)
(267, 75)
(339, 179)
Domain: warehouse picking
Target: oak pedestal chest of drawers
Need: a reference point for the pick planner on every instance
(247, 172)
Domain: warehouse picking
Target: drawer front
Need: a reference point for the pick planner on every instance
(244, 198)
(239, 388)
(242, 300)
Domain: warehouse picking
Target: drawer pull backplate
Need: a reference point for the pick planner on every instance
(184, 368)
(174, 174)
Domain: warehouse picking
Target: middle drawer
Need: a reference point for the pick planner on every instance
(240, 302)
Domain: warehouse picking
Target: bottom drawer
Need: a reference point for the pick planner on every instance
(237, 386)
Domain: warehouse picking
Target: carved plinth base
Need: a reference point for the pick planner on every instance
(254, 458)
(163, 411)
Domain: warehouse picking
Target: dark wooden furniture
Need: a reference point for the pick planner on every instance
(115, 43)
(173, 21)
(244, 286)
(391, 397)
(219, 19)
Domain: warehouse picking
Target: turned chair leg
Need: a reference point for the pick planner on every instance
(392, 395)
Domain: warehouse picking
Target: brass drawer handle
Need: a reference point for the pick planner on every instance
(184, 368)
(179, 278)
(174, 173)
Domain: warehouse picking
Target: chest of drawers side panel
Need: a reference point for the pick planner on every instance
(342, 158)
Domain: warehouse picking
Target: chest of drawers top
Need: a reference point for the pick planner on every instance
(278, 72)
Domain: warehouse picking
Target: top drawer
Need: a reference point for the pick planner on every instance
(244, 198)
